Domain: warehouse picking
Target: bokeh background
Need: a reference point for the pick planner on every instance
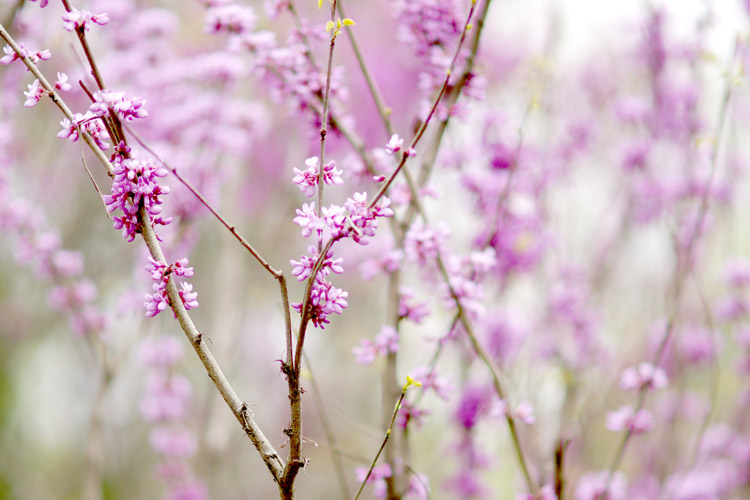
(603, 197)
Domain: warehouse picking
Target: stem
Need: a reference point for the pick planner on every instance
(382, 445)
(323, 125)
(239, 408)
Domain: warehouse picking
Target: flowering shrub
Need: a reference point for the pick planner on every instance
(548, 249)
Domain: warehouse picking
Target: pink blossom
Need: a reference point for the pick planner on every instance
(160, 352)
(81, 20)
(62, 82)
(88, 123)
(307, 180)
(377, 478)
(34, 94)
(126, 108)
(600, 486)
(35, 55)
(159, 300)
(231, 18)
(173, 441)
(442, 386)
(136, 185)
(394, 145)
(411, 309)
(546, 493)
(625, 419)
(385, 342)
(308, 220)
(644, 375)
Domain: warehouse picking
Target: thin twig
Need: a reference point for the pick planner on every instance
(385, 440)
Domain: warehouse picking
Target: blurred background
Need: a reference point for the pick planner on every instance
(602, 119)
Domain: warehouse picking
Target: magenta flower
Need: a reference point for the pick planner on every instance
(159, 300)
(135, 185)
(303, 267)
(307, 180)
(625, 419)
(62, 82)
(385, 342)
(355, 219)
(645, 376)
(394, 145)
(599, 486)
(126, 108)
(308, 220)
(82, 19)
(88, 123)
(34, 94)
(325, 299)
(35, 55)
(231, 18)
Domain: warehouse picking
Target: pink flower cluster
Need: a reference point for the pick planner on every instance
(356, 220)
(159, 300)
(626, 419)
(643, 376)
(385, 342)
(307, 180)
(34, 94)
(417, 488)
(81, 20)
(135, 186)
(230, 18)
(35, 55)
(165, 404)
(524, 412)
(126, 108)
(87, 123)
(600, 486)
(325, 299)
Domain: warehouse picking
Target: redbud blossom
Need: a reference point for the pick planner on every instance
(62, 82)
(160, 272)
(81, 20)
(645, 376)
(135, 185)
(307, 180)
(34, 55)
(625, 419)
(34, 94)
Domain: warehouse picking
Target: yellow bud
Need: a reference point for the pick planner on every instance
(348, 22)
(329, 26)
(411, 382)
